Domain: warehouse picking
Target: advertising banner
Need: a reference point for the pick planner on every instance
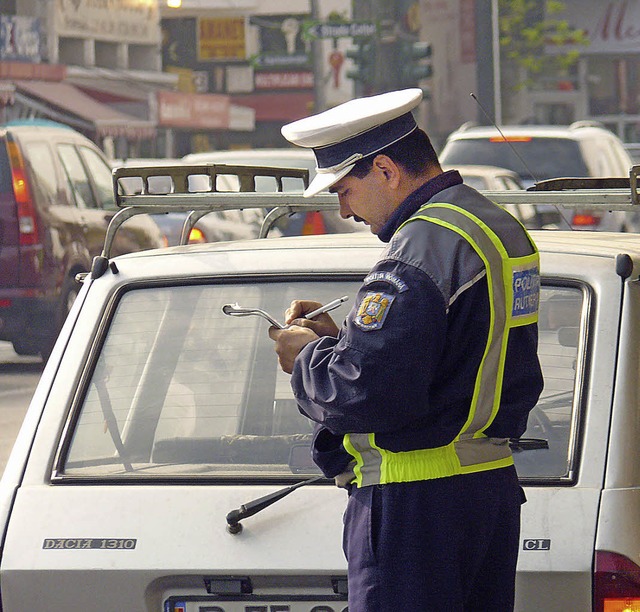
(195, 111)
(127, 21)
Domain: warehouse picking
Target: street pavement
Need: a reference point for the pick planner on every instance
(19, 377)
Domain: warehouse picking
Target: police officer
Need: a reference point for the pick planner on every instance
(415, 397)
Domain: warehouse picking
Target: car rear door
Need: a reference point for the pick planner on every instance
(90, 176)
(563, 483)
(136, 234)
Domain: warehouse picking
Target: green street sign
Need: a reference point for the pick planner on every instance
(312, 30)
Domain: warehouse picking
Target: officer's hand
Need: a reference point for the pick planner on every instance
(322, 325)
(289, 342)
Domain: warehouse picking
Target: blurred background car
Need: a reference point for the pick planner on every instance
(537, 153)
(491, 178)
(239, 224)
(328, 222)
(214, 227)
(56, 201)
(633, 149)
(494, 178)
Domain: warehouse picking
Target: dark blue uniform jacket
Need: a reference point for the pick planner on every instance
(410, 377)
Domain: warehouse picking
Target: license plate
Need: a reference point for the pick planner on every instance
(258, 603)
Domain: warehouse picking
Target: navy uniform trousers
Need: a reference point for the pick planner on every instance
(443, 545)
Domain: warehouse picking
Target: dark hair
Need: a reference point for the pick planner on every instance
(414, 153)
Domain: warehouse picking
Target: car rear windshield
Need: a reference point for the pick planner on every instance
(182, 389)
(534, 159)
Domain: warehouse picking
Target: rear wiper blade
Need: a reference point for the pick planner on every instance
(523, 444)
(253, 507)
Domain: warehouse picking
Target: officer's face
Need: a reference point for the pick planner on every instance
(368, 199)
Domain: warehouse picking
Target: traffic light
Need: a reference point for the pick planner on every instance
(363, 56)
(414, 62)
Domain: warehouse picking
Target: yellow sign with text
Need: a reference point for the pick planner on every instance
(221, 39)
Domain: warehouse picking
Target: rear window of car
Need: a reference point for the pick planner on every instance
(532, 158)
(181, 389)
(43, 170)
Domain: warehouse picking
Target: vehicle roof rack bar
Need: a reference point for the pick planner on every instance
(290, 202)
(180, 175)
(590, 193)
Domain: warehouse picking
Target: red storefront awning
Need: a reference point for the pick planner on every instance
(105, 120)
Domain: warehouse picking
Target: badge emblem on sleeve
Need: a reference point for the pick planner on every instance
(373, 310)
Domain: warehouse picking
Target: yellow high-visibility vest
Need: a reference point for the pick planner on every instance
(514, 287)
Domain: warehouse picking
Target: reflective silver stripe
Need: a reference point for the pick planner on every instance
(472, 451)
(369, 462)
(491, 365)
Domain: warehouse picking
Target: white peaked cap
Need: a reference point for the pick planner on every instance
(347, 133)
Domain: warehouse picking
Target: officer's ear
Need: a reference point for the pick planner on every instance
(388, 170)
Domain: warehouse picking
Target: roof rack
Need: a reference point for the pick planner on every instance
(607, 193)
(193, 189)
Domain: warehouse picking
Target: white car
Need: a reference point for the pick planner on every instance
(541, 152)
(163, 464)
(491, 178)
(494, 178)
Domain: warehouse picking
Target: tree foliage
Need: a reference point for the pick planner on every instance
(533, 37)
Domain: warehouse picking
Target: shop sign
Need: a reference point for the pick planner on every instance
(124, 21)
(467, 31)
(281, 43)
(20, 38)
(28, 71)
(221, 39)
(193, 111)
(284, 80)
(612, 27)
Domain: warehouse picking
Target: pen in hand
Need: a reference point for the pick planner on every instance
(327, 307)
(235, 310)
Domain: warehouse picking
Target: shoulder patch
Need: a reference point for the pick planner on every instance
(387, 277)
(373, 310)
(526, 291)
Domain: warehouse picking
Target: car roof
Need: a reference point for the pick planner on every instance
(26, 128)
(251, 156)
(46, 123)
(575, 131)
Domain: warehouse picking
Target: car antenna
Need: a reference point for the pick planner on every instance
(524, 163)
(495, 125)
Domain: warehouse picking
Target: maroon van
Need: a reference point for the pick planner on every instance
(56, 200)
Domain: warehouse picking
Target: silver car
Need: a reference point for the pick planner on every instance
(163, 465)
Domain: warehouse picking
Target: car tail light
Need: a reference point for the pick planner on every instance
(313, 224)
(27, 224)
(616, 583)
(196, 236)
(510, 139)
(584, 219)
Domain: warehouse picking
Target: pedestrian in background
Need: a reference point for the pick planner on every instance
(416, 396)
